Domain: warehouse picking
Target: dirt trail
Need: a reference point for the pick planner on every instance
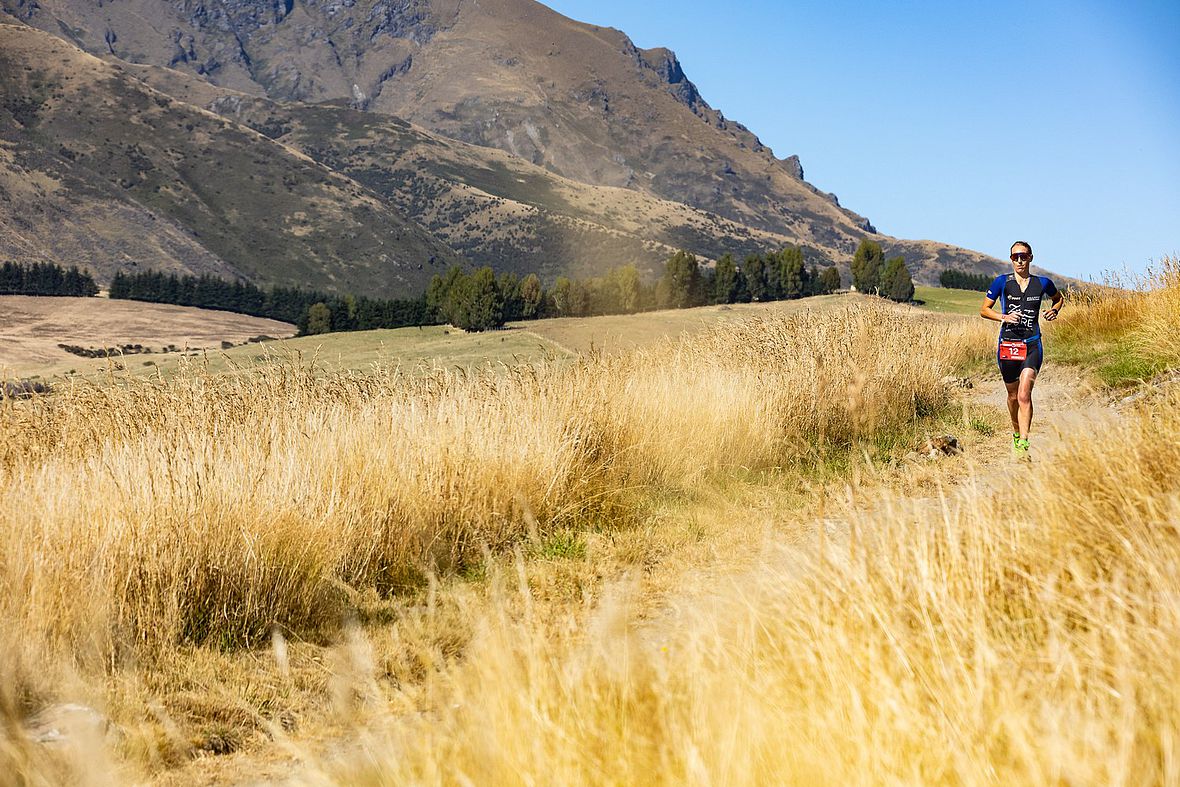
(1064, 404)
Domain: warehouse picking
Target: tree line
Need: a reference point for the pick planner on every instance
(481, 300)
(45, 278)
(872, 273)
(311, 311)
(777, 276)
(961, 280)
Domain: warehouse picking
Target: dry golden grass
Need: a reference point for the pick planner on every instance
(209, 508)
(1125, 330)
(1159, 335)
(966, 639)
(979, 640)
(1022, 628)
(620, 333)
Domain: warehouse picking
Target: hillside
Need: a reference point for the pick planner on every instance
(495, 208)
(101, 170)
(33, 329)
(580, 101)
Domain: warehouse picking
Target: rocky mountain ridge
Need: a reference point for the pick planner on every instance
(99, 169)
(578, 100)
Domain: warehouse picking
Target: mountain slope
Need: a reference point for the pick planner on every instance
(578, 100)
(99, 169)
(500, 210)
(495, 208)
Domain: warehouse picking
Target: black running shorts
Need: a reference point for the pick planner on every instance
(1010, 370)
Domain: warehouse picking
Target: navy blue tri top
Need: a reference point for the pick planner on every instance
(1005, 290)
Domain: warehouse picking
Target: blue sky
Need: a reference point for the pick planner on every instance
(970, 123)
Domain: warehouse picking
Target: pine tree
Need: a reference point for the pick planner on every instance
(725, 280)
(12, 278)
(867, 263)
(829, 280)
(754, 269)
(119, 285)
(531, 297)
(508, 284)
(343, 312)
(685, 285)
(811, 282)
(896, 283)
(439, 291)
(774, 276)
(792, 273)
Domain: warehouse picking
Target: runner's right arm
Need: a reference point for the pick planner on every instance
(989, 299)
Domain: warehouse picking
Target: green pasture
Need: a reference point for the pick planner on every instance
(948, 301)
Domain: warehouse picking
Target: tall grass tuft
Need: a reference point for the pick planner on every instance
(1126, 328)
(1160, 336)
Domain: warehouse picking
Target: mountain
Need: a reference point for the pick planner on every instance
(495, 208)
(99, 169)
(576, 100)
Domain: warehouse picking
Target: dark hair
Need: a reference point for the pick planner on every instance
(1023, 243)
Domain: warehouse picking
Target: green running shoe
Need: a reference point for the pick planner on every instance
(1020, 447)
(1015, 439)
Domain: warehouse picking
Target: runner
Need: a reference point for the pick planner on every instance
(1019, 352)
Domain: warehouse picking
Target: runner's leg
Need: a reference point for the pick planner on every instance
(1013, 404)
(1028, 378)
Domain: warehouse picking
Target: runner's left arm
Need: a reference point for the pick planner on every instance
(1051, 290)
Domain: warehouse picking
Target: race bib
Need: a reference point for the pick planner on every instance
(1013, 351)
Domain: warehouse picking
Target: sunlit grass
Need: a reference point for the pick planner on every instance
(973, 639)
(1124, 331)
(445, 553)
(946, 300)
(208, 508)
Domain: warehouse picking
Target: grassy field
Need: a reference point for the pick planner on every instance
(948, 301)
(31, 328)
(623, 332)
(630, 567)
(128, 507)
(529, 341)
(358, 351)
(39, 324)
(1098, 333)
